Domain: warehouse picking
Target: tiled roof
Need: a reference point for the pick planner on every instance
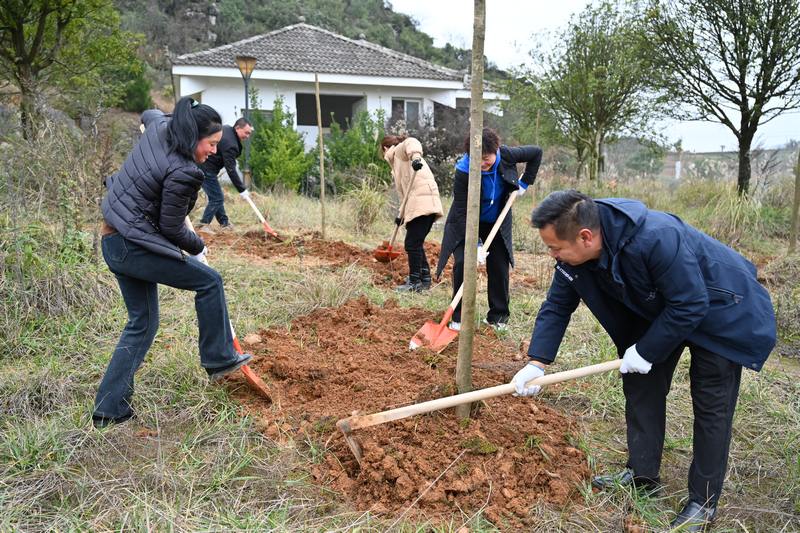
(306, 48)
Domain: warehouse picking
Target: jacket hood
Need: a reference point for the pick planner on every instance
(463, 164)
(620, 219)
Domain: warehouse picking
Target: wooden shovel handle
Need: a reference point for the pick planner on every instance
(364, 421)
(255, 209)
(403, 208)
(489, 239)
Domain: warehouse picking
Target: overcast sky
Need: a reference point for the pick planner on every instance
(510, 26)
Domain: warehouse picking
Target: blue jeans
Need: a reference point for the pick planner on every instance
(216, 201)
(138, 272)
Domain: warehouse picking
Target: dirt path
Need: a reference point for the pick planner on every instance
(513, 454)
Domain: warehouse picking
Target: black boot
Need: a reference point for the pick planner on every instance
(425, 278)
(412, 284)
(626, 478)
(694, 517)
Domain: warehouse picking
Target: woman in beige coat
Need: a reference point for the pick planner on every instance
(423, 207)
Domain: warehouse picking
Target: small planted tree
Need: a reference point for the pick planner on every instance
(277, 151)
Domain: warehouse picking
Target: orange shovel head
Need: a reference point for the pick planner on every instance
(433, 337)
(256, 382)
(385, 253)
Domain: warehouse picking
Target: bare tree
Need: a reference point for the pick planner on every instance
(733, 62)
(464, 363)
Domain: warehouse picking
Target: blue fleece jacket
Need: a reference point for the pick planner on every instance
(491, 188)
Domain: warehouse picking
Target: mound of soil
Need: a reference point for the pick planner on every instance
(512, 455)
(337, 253)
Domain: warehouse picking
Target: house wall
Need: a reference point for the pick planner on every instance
(226, 95)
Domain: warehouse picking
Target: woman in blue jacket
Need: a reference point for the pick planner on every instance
(146, 242)
(499, 179)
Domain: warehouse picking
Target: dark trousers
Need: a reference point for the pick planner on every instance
(715, 389)
(138, 272)
(216, 201)
(497, 267)
(416, 231)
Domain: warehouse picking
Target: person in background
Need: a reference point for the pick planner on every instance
(498, 180)
(146, 242)
(656, 285)
(227, 152)
(424, 207)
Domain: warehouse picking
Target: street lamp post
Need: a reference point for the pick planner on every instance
(246, 66)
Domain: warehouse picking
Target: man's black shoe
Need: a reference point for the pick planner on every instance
(216, 374)
(100, 422)
(626, 479)
(694, 517)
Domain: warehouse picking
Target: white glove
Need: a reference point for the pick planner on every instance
(245, 194)
(202, 256)
(522, 188)
(634, 363)
(482, 253)
(525, 374)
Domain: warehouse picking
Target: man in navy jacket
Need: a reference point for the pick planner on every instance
(228, 150)
(656, 285)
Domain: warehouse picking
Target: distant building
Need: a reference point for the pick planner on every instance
(354, 75)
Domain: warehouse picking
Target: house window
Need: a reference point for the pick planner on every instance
(263, 114)
(408, 110)
(335, 107)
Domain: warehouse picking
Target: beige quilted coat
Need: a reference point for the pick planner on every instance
(424, 196)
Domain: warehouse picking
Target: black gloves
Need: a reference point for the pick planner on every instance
(416, 164)
(398, 221)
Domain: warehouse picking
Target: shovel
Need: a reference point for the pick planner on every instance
(384, 253)
(252, 378)
(267, 228)
(438, 336)
(347, 425)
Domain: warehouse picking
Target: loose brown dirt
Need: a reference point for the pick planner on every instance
(337, 253)
(512, 455)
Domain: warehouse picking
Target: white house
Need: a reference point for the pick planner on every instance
(354, 75)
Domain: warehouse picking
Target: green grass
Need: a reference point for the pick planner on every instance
(192, 462)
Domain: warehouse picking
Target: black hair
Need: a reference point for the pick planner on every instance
(191, 122)
(241, 122)
(490, 142)
(568, 211)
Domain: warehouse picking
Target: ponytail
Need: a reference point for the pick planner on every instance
(190, 123)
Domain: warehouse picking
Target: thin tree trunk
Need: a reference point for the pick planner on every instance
(743, 180)
(27, 108)
(795, 208)
(464, 363)
(321, 158)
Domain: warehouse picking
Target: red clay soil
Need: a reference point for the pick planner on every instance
(514, 454)
(338, 253)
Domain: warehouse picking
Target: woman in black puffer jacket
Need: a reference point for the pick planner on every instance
(146, 242)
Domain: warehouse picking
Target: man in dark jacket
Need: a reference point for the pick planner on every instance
(657, 286)
(227, 152)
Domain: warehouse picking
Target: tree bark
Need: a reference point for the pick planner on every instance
(464, 363)
(795, 208)
(743, 179)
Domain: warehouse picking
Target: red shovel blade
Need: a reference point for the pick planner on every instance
(271, 232)
(256, 382)
(385, 253)
(433, 337)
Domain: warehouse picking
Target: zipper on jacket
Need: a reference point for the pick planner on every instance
(735, 297)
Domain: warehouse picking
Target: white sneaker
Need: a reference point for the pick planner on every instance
(455, 326)
(497, 326)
